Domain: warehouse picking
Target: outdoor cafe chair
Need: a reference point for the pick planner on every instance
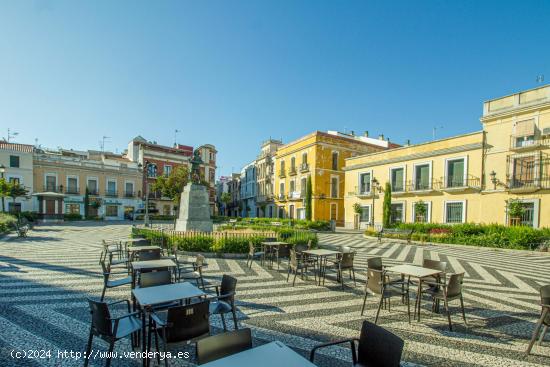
(446, 292)
(544, 320)
(156, 278)
(375, 263)
(376, 347)
(377, 284)
(282, 252)
(222, 345)
(192, 271)
(180, 325)
(224, 300)
(111, 329)
(343, 262)
(109, 283)
(148, 255)
(253, 253)
(297, 264)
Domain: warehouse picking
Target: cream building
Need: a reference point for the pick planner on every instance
(16, 164)
(466, 178)
(265, 176)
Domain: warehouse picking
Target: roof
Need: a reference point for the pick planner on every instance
(25, 148)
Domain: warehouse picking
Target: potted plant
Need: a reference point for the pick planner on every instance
(358, 210)
(515, 212)
(420, 209)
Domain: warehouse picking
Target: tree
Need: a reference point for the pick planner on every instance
(515, 212)
(3, 192)
(14, 190)
(171, 186)
(86, 203)
(225, 199)
(387, 206)
(309, 195)
(358, 210)
(420, 209)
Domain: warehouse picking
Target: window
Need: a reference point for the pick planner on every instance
(72, 208)
(455, 212)
(303, 187)
(304, 158)
(282, 189)
(291, 211)
(282, 167)
(335, 161)
(397, 179)
(292, 186)
(167, 170)
(14, 161)
(14, 207)
(418, 216)
(151, 170)
(334, 187)
(364, 183)
(524, 171)
(281, 212)
(527, 218)
(51, 183)
(72, 185)
(129, 189)
(15, 180)
(397, 213)
(422, 177)
(292, 164)
(111, 188)
(92, 186)
(111, 211)
(333, 211)
(365, 214)
(524, 133)
(455, 173)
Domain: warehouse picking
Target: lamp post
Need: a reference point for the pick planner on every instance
(494, 180)
(2, 171)
(375, 186)
(146, 216)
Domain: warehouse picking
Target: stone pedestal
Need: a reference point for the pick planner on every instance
(194, 209)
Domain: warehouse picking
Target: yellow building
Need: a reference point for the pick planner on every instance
(321, 156)
(466, 178)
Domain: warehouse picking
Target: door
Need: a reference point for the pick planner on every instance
(50, 206)
(301, 214)
(333, 211)
(291, 212)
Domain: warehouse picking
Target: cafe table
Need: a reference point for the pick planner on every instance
(414, 271)
(150, 265)
(322, 255)
(274, 354)
(148, 297)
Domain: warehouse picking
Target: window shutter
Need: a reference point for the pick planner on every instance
(524, 128)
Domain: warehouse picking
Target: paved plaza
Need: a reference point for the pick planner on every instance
(46, 278)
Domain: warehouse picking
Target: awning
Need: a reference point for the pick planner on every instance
(49, 194)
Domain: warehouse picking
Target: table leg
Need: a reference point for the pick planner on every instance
(143, 335)
(536, 331)
(418, 296)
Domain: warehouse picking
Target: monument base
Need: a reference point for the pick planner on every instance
(194, 209)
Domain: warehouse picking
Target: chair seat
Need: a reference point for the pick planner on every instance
(119, 282)
(190, 275)
(127, 326)
(119, 262)
(259, 253)
(219, 307)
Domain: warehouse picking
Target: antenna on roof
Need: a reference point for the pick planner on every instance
(11, 135)
(540, 78)
(176, 137)
(434, 130)
(103, 142)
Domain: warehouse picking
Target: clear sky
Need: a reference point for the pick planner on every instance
(233, 73)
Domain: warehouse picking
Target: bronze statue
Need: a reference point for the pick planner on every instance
(196, 161)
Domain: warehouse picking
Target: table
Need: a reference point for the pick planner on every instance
(274, 354)
(142, 248)
(415, 272)
(322, 255)
(274, 246)
(150, 265)
(150, 296)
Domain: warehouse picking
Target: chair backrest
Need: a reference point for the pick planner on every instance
(187, 322)
(106, 270)
(101, 318)
(346, 260)
(374, 263)
(375, 281)
(284, 251)
(344, 249)
(309, 244)
(149, 255)
(222, 345)
(454, 284)
(435, 264)
(545, 300)
(199, 261)
(300, 247)
(293, 259)
(251, 248)
(153, 278)
(378, 347)
(142, 242)
(229, 284)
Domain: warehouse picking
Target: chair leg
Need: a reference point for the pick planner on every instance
(463, 313)
(536, 331)
(103, 293)
(288, 274)
(378, 312)
(448, 315)
(354, 282)
(408, 306)
(157, 346)
(295, 274)
(111, 347)
(223, 322)
(364, 302)
(234, 317)
(88, 349)
(543, 334)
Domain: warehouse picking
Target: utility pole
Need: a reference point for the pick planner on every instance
(146, 217)
(11, 135)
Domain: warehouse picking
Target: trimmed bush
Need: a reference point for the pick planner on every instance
(7, 222)
(72, 216)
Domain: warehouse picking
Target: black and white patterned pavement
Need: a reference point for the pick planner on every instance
(46, 278)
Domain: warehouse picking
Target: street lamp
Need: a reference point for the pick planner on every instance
(2, 171)
(146, 216)
(375, 186)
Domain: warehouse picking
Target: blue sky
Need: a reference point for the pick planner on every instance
(233, 73)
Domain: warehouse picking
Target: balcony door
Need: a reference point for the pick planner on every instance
(455, 173)
(524, 171)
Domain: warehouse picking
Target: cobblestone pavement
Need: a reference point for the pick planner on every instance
(46, 278)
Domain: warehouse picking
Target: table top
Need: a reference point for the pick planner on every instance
(274, 243)
(129, 240)
(166, 293)
(321, 252)
(413, 270)
(153, 264)
(143, 248)
(274, 354)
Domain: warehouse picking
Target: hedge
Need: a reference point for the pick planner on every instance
(238, 245)
(318, 225)
(485, 235)
(7, 222)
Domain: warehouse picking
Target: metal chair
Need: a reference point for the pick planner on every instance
(282, 252)
(297, 264)
(252, 253)
(180, 325)
(149, 255)
(544, 319)
(377, 285)
(108, 283)
(154, 278)
(110, 329)
(224, 300)
(222, 345)
(343, 262)
(192, 271)
(446, 292)
(375, 347)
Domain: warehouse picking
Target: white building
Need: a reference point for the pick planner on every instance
(16, 162)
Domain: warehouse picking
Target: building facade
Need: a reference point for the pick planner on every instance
(265, 177)
(466, 178)
(222, 187)
(248, 185)
(208, 172)
(320, 156)
(234, 187)
(63, 178)
(16, 162)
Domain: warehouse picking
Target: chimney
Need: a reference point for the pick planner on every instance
(352, 133)
(381, 137)
(408, 142)
(366, 134)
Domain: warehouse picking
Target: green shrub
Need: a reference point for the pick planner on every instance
(195, 244)
(30, 216)
(7, 222)
(72, 216)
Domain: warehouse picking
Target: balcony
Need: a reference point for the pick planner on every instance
(72, 191)
(282, 174)
(129, 194)
(459, 184)
(111, 193)
(264, 198)
(421, 187)
(528, 173)
(361, 193)
(52, 188)
(295, 195)
(281, 197)
(93, 192)
(304, 167)
(525, 143)
(292, 171)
